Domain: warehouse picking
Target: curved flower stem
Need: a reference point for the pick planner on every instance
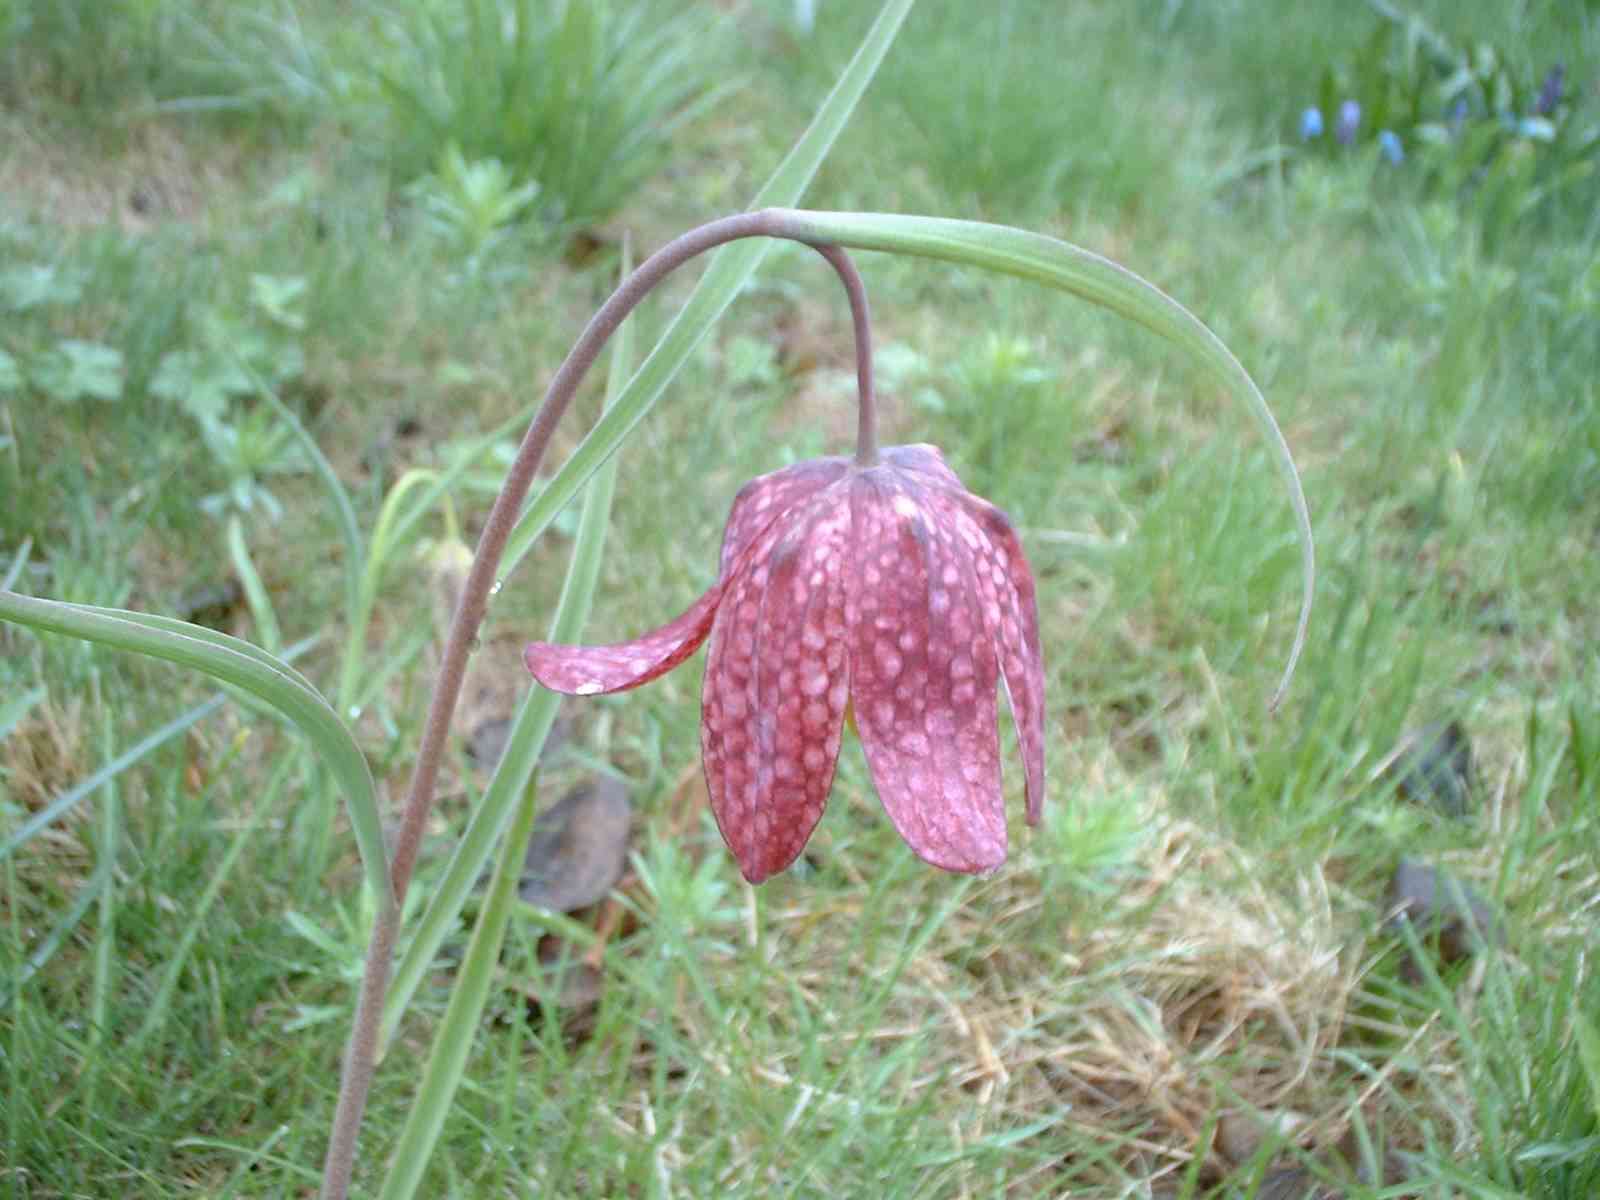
(361, 1055)
(867, 410)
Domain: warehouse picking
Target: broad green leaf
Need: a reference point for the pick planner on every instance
(79, 370)
(199, 382)
(22, 288)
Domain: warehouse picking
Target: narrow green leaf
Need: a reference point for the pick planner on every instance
(200, 633)
(1058, 264)
(448, 1059)
(255, 592)
(246, 667)
(727, 273)
(730, 268)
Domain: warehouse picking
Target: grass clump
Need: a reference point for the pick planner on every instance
(580, 101)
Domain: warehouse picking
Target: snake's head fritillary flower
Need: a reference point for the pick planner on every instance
(887, 588)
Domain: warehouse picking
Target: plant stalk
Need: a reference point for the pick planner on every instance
(361, 1055)
(861, 318)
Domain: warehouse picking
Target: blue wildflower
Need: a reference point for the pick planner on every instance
(1349, 122)
(1389, 146)
(1310, 124)
(1551, 91)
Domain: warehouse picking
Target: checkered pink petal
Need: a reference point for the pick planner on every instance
(887, 586)
(776, 684)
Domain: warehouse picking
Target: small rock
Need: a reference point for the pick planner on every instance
(486, 744)
(1441, 907)
(212, 605)
(1433, 767)
(579, 847)
(1240, 1134)
(564, 988)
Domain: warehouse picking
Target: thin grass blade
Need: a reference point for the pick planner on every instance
(255, 592)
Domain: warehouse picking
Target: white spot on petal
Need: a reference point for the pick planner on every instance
(889, 661)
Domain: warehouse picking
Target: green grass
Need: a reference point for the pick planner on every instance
(1195, 928)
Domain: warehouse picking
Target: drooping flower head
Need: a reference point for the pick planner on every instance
(886, 587)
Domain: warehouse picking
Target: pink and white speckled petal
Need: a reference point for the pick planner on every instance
(595, 670)
(767, 497)
(1017, 640)
(773, 700)
(923, 675)
(1011, 616)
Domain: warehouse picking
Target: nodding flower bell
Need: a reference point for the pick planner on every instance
(883, 587)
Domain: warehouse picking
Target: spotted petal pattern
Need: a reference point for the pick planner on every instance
(1010, 615)
(775, 689)
(923, 676)
(595, 670)
(887, 586)
(767, 498)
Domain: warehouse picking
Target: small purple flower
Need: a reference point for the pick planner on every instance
(1458, 114)
(889, 591)
(1349, 122)
(1310, 124)
(1389, 146)
(1551, 91)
